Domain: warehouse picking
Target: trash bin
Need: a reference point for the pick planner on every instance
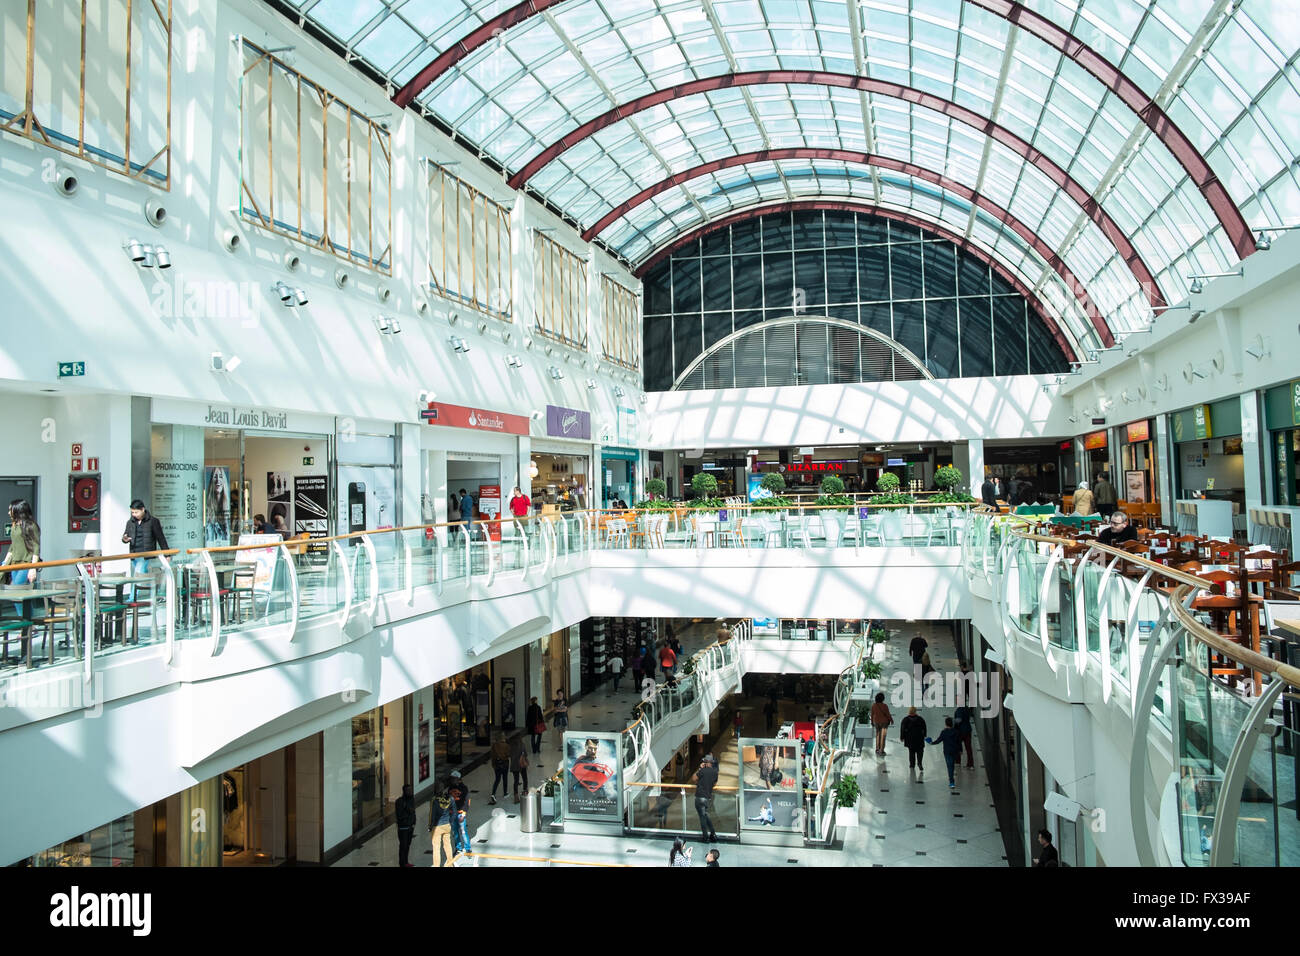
(530, 812)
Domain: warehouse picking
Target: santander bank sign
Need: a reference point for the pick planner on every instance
(479, 419)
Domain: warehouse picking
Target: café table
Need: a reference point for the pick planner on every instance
(26, 595)
(119, 584)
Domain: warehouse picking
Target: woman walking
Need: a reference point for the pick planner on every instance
(500, 765)
(680, 854)
(881, 719)
(561, 716)
(535, 721)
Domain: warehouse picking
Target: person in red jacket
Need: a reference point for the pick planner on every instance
(519, 504)
(668, 661)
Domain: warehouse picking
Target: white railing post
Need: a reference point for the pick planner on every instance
(295, 599)
(169, 589)
(214, 600)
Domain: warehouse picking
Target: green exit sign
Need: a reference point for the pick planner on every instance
(71, 369)
(309, 461)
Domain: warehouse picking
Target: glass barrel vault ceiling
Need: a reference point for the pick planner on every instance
(1223, 72)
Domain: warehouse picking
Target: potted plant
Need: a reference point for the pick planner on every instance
(705, 488)
(870, 676)
(887, 486)
(878, 635)
(656, 488)
(950, 481)
(834, 505)
(548, 798)
(862, 731)
(846, 801)
(774, 483)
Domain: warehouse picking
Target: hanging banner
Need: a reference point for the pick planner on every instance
(592, 789)
(1138, 431)
(1094, 440)
(507, 703)
(423, 761)
(489, 506)
(1201, 421)
(454, 717)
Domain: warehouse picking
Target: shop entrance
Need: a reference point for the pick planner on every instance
(15, 489)
(559, 482)
(481, 476)
(463, 714)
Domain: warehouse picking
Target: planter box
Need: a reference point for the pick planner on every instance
(846, 817)
(548, 806)
(863, 731)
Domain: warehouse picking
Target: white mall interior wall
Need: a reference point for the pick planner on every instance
(37, 433)
(287, 363)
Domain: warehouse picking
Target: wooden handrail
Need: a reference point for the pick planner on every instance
(1227, 646)
(66, 562)
(1182, 577)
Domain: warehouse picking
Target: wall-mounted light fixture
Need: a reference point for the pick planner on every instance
(388, 325)
(591, 383)
(1262, 240)
(556, 372)
(514, 361)
(644, 400)
(219, 363)
(537, 417)
(426, 395)
(147, 256)
(1198, 280)
(618, 391)
(459, 344)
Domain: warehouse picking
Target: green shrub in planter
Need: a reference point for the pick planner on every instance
(887, 482)
(656, 504)
(878, 635)
(864, 714)
(947, 478)
(773, 481)
(833, 493)
(704, 485)
(871, 670)
(847, 791)
(656, 488)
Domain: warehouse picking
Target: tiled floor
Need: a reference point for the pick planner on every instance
(904, 821)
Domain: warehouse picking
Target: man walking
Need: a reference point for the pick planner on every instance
(143, 533)
(951, 749)
(405, 825)
(705, 779)
(1103, 495)
(616, 670)
(964, 725)
(466, 502)
(460, 820)
(668, 661)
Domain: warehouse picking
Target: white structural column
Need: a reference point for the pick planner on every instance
(973, 465)
(1164, 470)
(1251, 452)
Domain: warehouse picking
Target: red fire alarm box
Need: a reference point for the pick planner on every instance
(83, 503)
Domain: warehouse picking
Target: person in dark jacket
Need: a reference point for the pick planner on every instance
(534, 719)
(988, 494)
(1049, 856)
(912, 732)
(917, 648)
(964, 724)
(1118, 530)
(143, 533)
(405, 825)
(951, 749)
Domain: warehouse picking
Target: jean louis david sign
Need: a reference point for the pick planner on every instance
(567, 422)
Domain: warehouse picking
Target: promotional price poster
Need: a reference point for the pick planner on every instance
(176, 501)
(424, 751)
(263, 559)
(591, 776)
(311, 505)
(771, 792)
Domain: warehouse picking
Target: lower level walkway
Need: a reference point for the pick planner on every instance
(905, 819)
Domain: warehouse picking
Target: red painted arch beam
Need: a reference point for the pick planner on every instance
(1111, 77)
(1229, 216)
(835, 205)
(467, 45)
(1045, 251)
(1145, 279)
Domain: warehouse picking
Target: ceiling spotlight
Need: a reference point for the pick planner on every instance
(536, 415)
(550, 350)
(388, 325)
(285, 293)
(1263, 243)
(528, 342)
(299, 296)
(452, 317)
(584, 363)
(618, 391)
(341, 278)
(482, 327)
(162, 258)
(1258, 348)
(427, 395)
(1161, 383)
(138, 252)
(1194, 316)
(556, 372)
(514, 361)
(1072, 419)
(459, 344)
(644, 400)
(1197, 286)
(219, 363)
(591, 383)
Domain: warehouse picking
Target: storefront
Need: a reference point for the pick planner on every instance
(1208, 460)
(620, 478)
(1096, 458)
(368, 497)
(1032, 468)
(475, 449)
(214, 468)
(817, 629)
(561, 463)
(1282, 419)
(1138, 479)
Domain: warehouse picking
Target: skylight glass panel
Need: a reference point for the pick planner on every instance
(343, 18)
(390, 42)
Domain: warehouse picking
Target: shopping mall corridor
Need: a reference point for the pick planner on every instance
(904, 820)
